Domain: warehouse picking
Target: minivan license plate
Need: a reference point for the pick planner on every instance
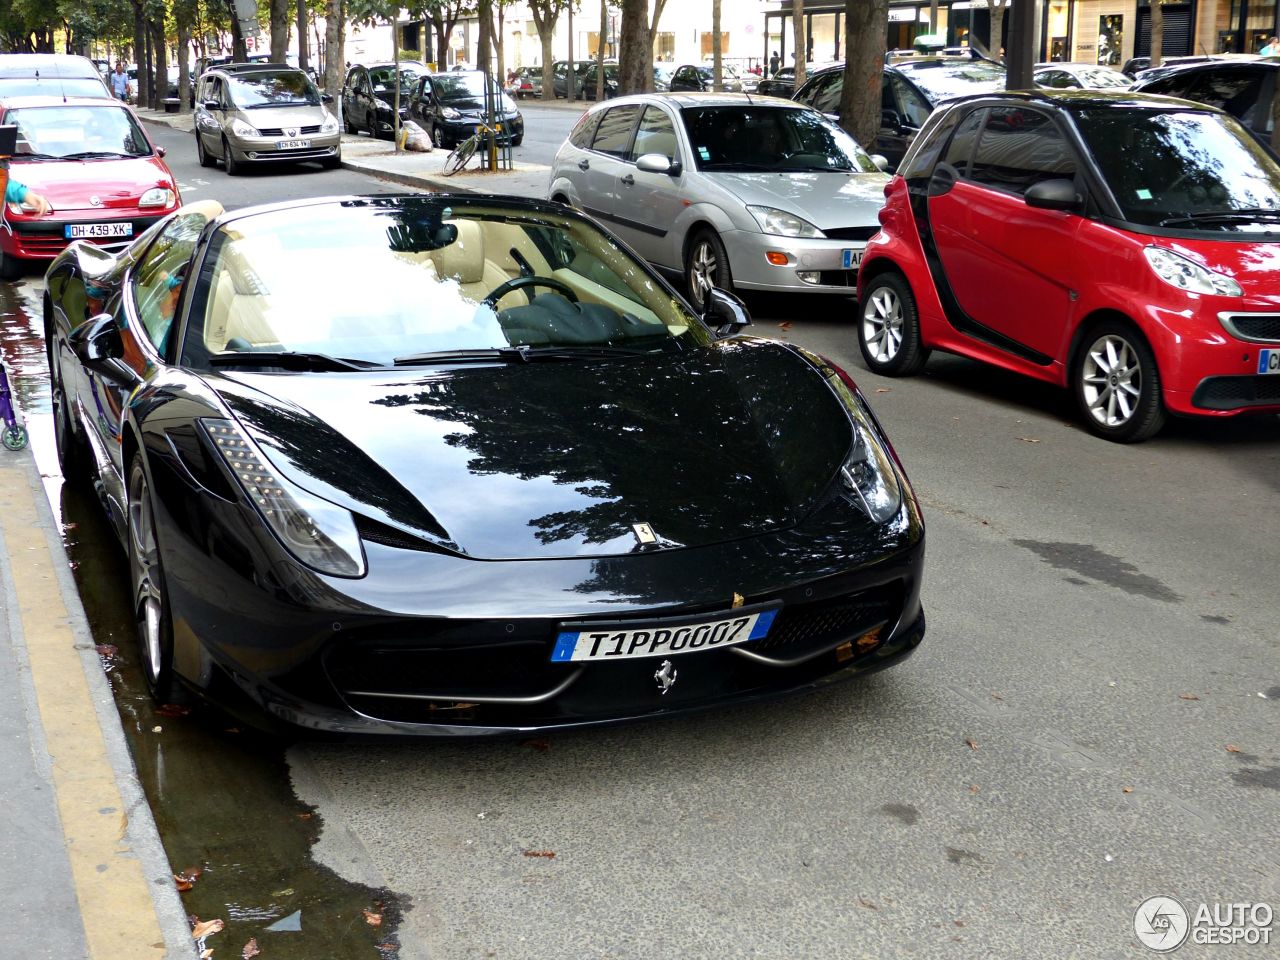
(293, 144)
(852, 258)
(661, 638)
(1268, 361)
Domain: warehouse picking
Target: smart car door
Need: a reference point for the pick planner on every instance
(649, 201)
(1004, 270)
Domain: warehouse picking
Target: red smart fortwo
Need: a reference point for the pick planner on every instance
(1121, 245)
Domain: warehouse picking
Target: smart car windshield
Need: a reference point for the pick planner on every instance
(771, 139)
(1184, 169)
(291, 88)
(441, 281)
(943, 79)
(77, 131)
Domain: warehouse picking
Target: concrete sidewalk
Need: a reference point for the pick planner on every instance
(83, 873)
(423, 171)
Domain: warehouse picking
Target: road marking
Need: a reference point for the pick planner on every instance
(116, 906)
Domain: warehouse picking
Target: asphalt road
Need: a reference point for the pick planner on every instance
(1093, 719)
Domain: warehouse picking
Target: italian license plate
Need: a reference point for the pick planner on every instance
(852, 258)
(80, 231)
(293, 144)
(1269, 361)
(660, 638)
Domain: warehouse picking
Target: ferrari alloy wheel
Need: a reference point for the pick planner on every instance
(150, 601)
(889, 332)
(1117, 385)
(707, 266)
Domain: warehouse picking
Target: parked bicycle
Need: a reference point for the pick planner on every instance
(461, 155)
(14, 434)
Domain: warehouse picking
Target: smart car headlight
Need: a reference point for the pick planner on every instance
(783, 224)
(1185, 274)
(157, 197)
(242, 129)
(319, 533)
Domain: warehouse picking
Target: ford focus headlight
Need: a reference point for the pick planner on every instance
(242, 129)
(157, 197)
(321, 534)
(1185, 274)
(782, 224)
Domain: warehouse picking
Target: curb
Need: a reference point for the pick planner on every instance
(407, 179)
(138, 839)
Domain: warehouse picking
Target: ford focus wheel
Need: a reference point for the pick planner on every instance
(707, 266)
(1118, 385)
(889, 331)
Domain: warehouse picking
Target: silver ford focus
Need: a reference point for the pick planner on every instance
(726, 190)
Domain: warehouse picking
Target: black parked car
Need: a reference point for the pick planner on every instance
(1243, 88)
(451, 105)
(507, 481)
(781, 84)
(912, 88)
(369, 91)
(560, 77)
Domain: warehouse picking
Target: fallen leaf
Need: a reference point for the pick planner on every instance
(1127, 790)
(250, 949)
(883, 389)
(372, 919)
(996, 696)
(863, 901)
(305, 816)
(784, 326)
(206, 929)
(542, 746)
(958, 923)
(1232, 748)
(971, 744)
(1187, 696)
(549, 854)
(286, 892)
(187, 879)
(1028, 439)
(107, 650)
(206, 953)
(156, 729)
(172, 710)
(973, 788)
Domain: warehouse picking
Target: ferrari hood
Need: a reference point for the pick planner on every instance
(561, 458)
(828, 200)
(69, 184)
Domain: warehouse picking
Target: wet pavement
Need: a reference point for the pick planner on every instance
(222, 799)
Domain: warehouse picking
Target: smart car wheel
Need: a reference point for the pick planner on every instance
(234, 167)
(889, 331)
(1117, 384)
(706, 266)
(202, 154)
(150, 599)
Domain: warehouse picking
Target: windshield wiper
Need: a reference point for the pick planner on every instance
(289, 360)
(34, 156)
(522, 354)
(280, 103)
(1225, 216)
(96, 155)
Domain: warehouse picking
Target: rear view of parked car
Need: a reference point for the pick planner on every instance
(724, 191)
(50, 75)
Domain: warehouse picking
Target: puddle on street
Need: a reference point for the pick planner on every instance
(220, 793)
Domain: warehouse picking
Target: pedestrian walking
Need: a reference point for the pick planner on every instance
(1272, 49)
(774, 63)
(120, 82)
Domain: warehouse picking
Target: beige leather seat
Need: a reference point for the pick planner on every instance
(464, 261)
(237, 308)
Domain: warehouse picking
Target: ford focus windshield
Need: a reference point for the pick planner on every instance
(770, 139)
(439, 281)
(1184, 169)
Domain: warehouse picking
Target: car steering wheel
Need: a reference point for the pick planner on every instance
(519, 283)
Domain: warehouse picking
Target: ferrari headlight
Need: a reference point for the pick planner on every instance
(242, 129)
(1186, 274)
(783, 224)
(330, 124)
(867, 473)
(319, 533)
(157, 197)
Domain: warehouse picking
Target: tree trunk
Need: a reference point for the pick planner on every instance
(571, 78)
(1157, 33)
(335, 17)
(184, 61)
(500, 48)
(279, 30)
(864, 22)
(162, 63)
(139, 49)
(604, 28)
(995, 35)
(635, 50)
(797, 38)
(545, 25)
(304, 56)
(717, 61)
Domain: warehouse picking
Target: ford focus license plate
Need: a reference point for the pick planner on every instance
(1269, 361)
(80, 231)
(852, 258)
(661, 638)
(293, 144)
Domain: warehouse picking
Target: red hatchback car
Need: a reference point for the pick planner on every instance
(1121, 245)
(93, 161)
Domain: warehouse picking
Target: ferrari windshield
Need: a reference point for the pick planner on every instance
(736, 139)
(1187, 169)
(77, 131)
(424, 279)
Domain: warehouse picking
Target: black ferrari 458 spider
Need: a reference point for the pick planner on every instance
(466, 465)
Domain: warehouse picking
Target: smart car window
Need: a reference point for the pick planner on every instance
(928, 145)
(960, 149)
(614, 134)
(656, 134)
(1018, 148)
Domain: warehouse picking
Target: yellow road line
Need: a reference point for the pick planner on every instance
(116, 905)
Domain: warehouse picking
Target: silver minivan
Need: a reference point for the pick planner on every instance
(249, 113)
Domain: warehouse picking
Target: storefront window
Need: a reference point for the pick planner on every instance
(664, 47)
(1110, 40)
